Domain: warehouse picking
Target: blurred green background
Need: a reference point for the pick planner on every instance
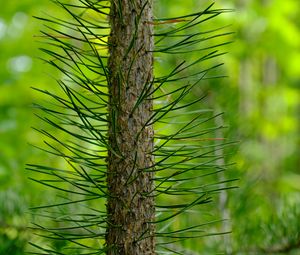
(260, 98)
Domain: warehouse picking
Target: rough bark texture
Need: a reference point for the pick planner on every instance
(130, 206)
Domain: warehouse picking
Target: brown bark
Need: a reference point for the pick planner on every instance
(130, 205)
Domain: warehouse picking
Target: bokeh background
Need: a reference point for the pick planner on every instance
(260, 97)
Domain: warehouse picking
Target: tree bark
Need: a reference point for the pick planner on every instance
(130, 205)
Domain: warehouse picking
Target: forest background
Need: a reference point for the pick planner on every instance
(260, 97)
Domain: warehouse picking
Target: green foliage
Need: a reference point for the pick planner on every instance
(13, 234)
(263, 115)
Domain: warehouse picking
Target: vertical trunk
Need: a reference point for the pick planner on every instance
(223, 197)
(130, 205)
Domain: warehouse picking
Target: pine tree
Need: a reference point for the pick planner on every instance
(137, 152)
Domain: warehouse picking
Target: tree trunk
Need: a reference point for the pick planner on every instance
(130, 205)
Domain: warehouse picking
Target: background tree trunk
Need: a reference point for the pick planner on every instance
(130, 205)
